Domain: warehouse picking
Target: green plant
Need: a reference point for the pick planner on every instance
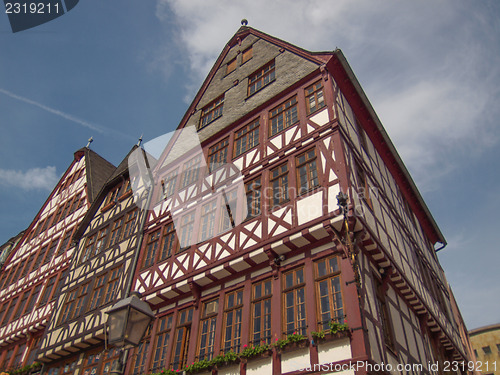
(252, 351)
(318, 335)
(199, 366)
(294, 337)
(338, 327)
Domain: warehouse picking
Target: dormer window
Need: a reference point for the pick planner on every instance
(261, 78)
(246, 55)
(211, 112)
(231, 66)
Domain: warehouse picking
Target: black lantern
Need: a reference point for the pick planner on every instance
(128, 321)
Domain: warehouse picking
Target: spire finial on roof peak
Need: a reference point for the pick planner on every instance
(139, 143)
(244, 22)
(90, 141)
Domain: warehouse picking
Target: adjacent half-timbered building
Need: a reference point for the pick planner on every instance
(74, 341)
(34, 268)
(247, 259)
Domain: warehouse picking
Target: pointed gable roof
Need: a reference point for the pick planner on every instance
(118, 174)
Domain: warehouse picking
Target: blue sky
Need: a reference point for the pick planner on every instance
(117, 69)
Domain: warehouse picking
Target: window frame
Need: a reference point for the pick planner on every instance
(231, 66)
(211, 112)
(161, 346)
(282, 180)
(235, 336)
(314, 94)
(261, 78)
(246, 133)
(294, 289)
(328, 276)
(311, 168)
(206, 340)
(217, 155)
(247, 54)
(265, 321)
(282, 110)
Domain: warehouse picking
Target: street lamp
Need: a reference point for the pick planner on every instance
(128, 321)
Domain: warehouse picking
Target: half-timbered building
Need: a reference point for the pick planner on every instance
(272, 276)
(34, 268)
(74, 341)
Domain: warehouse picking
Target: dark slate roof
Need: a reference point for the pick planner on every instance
(98, 171)
(116, 176)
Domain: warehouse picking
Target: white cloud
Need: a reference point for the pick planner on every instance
(429, 68)
(31, 179)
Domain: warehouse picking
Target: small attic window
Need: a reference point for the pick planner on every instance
(247, 55)
(261, 78)
(211, 112)
(231, 66)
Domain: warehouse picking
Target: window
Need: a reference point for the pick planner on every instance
(187, 226)
(253, 189)
(2, 311)
(261, 78)
(101, 241)
(246, 138)
(217, 155)
(181, 340)
(19, 356)
(207, 330)
(97, 293)
(228, 210)
(261, 313)
(112, 287)
(191, 171)
(361, 133)
(329, 296)
(169, 245)
(231, 66)
(294, 302)
(307, 171)
(363, 186)
(151, 248)
(129, 223)
(81, 300)
(208, 220)
(246, 55)
(161, 343)
(168, 184)
(279, 184)
(385, 318)
(486, 349)
(67, 309)
(48, 291)
(91, 363)
(212, 111)
(141, 355)
(283, 116)
(74, 203)
(109, 360)
(232, 321)
(314, 97)
(116, 231)
(89, 248)
(33, 298)
(65, 242)
(22, 303)
(112, 196)
(28, 264)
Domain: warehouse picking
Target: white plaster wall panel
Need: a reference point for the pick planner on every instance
(412, 345)
(321, 118)
(295, 360)
(374, 340)
(310, 208)
(393, 361)
(334, 351)
(229, 370)
(260, 366)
